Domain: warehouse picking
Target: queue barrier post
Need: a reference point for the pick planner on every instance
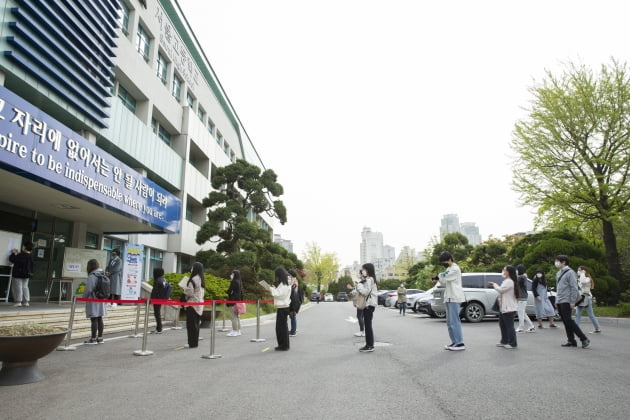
(223, 329)
(68, 347)
(212, 335)
(135, 334)
(257, 339)
(144, 351)
(176, 321)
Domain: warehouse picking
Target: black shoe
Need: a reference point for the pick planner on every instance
(99, 341)
(366, 349)
(569, 344)
(585, 343)
(91, 341)
(281, 348)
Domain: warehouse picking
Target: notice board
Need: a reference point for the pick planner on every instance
(8, 241)
(75, 261)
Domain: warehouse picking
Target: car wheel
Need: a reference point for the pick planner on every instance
(438, 314)
(474, 312)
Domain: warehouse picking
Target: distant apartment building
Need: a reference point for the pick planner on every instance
(471, 231)
(450, 224)
(373, 251)
(284, 243)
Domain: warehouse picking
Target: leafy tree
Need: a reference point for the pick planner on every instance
(573, 150)
(320, 268)
(242, 193)
(455, 243)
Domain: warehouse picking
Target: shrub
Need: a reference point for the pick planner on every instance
(216, 287)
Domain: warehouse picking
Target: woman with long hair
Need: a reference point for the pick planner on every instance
(95, 311)
(542, 304)
(194, 292)
(235, 292)
(508, 305)
(587, 284)
(281, 293)
(367, 287)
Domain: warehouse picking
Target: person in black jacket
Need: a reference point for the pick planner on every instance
(160, 291)
(297, 298)
(23, 270)
(235, 292)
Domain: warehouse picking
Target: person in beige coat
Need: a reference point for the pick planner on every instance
(508, 305)
(194, 292)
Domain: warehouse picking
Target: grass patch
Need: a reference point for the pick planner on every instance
(610, 312)
(22, 330)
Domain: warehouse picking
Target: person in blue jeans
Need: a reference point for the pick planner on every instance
(587, 284)
(451, 280)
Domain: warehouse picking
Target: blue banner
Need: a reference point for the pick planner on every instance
(35, 145)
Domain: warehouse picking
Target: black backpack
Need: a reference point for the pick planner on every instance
(102, 288)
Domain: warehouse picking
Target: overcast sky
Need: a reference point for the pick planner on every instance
(390, 114)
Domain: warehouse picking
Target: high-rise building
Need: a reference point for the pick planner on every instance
(284, 243)
(112, 124)
(471, 232)
(373, 251)
(450, 224)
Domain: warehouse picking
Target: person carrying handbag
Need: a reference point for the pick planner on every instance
(368, 289)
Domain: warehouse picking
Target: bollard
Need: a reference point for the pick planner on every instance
(144, 351)
(257, 339)
(223, 329)
(68, 347)
(212, 335)
(135, 334)
(176, 321)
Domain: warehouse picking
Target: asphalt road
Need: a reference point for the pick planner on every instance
(324, 376)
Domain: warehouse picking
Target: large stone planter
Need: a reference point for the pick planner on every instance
(19, 355)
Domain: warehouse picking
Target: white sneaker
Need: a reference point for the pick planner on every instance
(359, 334)
(232, 334)
(238, 332)
(531, 329)
(508, 346)
(17, 305)
(520, 330)
(114, 305)
(26, 304)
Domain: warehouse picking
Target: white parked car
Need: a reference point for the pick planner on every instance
(328, 297)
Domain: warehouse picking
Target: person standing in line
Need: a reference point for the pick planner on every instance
(160, 291)
(297, 297)
(95, 311)
(509, 294)
(542, 304)
(281, 293)
(353, 295)
(23, 270)
(567, 294)
(194, 292)
(402, 299)
(522, 281)
(367, 287)
(114, 272)
(586, 285)
(451, 280)
(235, 292)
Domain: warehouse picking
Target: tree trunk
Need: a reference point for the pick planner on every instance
(612, 255)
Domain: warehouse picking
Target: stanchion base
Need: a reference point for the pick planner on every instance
(66, 348)
(135, 336)
(224, 329)
(142, 353)
(257, 340)
(211, 356)
(176, 328)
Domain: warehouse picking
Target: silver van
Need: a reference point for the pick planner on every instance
(479, 297)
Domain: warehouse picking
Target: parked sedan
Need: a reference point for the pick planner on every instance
(342, 297)
(328, 297)
(392, 297)
(412, 300)
(382, 296)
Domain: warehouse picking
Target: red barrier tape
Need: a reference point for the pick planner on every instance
(81, 299)
(204, 303)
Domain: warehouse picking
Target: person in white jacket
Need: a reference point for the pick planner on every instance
(367, 287)
(451, 280)
(281, 300)
(508, 305)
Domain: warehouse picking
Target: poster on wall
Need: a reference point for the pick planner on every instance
(132, 271)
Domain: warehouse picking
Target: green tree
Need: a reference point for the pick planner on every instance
(320, 268)
(455, 243)
(242, 193)
(573, 150)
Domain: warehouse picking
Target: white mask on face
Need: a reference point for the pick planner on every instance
(364, 272)
(539, 275)
(557, 264)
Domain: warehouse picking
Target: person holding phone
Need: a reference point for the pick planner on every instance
(367, 287)
(451, 280)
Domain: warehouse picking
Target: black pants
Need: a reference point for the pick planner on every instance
(506, 324)
(192, 326)
(282, 328)
(570, 327)
(97, 326)
(360, 319)
(368, 315)
(157, 309)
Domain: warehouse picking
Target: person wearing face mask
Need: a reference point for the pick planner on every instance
(542, 304)
(522, 281)
(451, 280)
(586, 285)
(235, 292)
(367, 287)
(567, 295)
(509, 292)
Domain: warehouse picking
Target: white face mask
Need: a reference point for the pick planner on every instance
(539, 275)
(364, 273)
(557, 264)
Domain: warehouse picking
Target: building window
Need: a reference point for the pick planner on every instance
(91, 240)
(232, 156)
(190, 100)
(143, 43)
(124, 19)
(162, 68)
(127, 99)
(177, 88)
(226, 148)
(210, 126)
(156, 257)
(164, 135)
(110, 244)
(154, 125)
(201, 114)
(189, 213)
(219, 139)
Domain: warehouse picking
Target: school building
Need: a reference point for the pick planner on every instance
(112, 123)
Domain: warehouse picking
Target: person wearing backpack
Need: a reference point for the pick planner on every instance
(95, 311)
(161, 290)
